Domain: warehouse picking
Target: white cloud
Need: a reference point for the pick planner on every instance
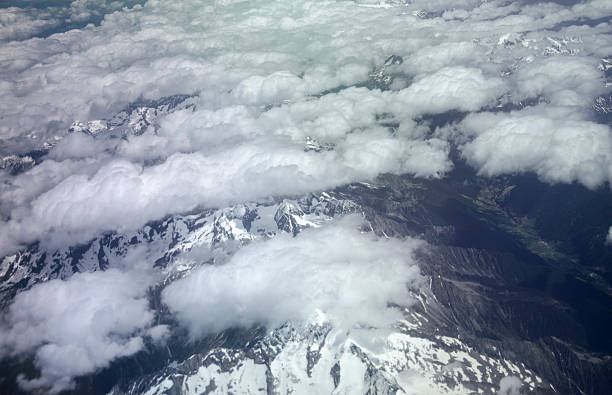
(18, 24)
(594, 9)
(84, 10)
(242, 57)
(563, 80)
(77, 326)
(510, 385)
(451, 88)
(123, 195)
(554, 142)
(233, 147)
(213, 158)
(336, 270)
(163, 48)
(432, 58)
(19, 191)
(442, 5)
(271, 89)
(38, 20)
(609, 237)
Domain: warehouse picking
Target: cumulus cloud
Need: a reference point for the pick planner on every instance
(17, 23)
(162, 48)
(554, 142)
(563, 81)
(212, 158)
(87, 10)
(594, 9)
(348, 276)
(79, 325)
(432, 58)
(123, 195)
(451, 88)
(38, 20)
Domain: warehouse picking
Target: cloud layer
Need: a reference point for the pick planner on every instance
(272, 76)
(213, 158)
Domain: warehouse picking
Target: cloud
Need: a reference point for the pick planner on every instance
(162, 48)
(79, 325)
(554, 142)
(19, 191)
(124, 196)
(271, 89)
(212, 159)
(510, 385)
(348, 276)
(442, 5)
(263, 94)
(18, 24)
(594, 9)
(564, 81)
(609, 237)
(42, 19)
(282, 109)
(450, 88)
(86, 10)
(432, 58)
